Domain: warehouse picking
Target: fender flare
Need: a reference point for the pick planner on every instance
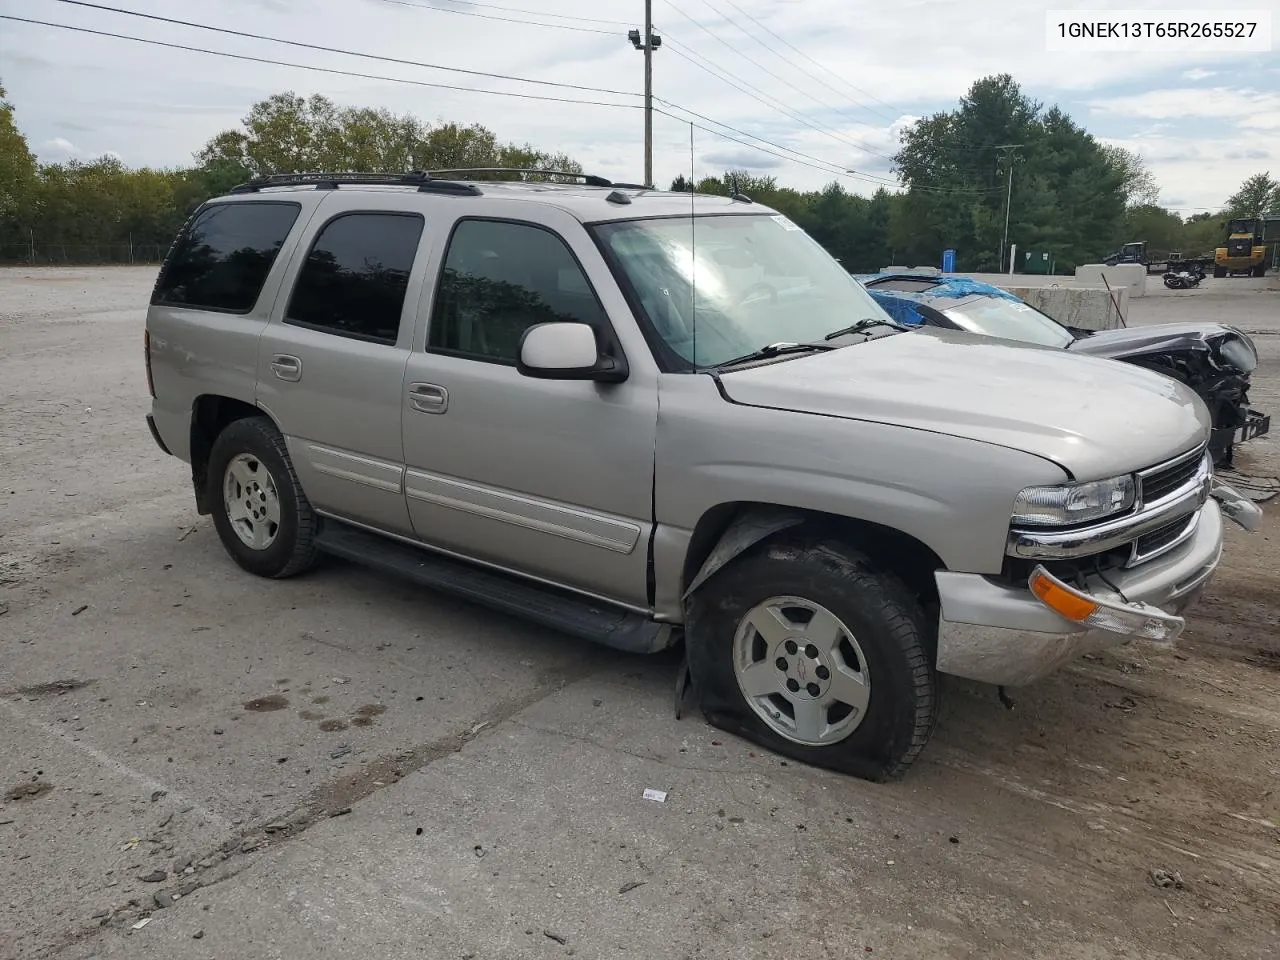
(744, 532)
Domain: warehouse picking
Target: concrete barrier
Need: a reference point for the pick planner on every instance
(1130, 275)
(1091, 308)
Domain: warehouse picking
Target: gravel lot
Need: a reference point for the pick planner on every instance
(345, 766)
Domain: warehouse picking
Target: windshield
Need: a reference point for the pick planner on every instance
(1009, 320)
(720, 287)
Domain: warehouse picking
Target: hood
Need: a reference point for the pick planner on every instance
(1093, 417)
(1158, 338)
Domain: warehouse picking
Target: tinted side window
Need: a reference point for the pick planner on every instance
(499, 279)
(222, 259)
(354, 280)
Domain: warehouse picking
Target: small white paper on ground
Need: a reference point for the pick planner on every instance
(141, 923)
(659, 795)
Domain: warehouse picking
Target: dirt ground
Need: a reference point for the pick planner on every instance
(345, 766)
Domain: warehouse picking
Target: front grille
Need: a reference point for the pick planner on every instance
(1162, 481)
(1239, 248)
(1152, 544)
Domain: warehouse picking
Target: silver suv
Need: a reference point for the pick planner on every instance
(640, 417)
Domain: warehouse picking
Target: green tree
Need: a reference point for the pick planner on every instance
(287, 133)
(1257, 195)
(17, 172)
(1163, 230)
(1069, 191)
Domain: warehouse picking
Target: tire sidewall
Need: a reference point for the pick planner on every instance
(875, 607)
(253, 437)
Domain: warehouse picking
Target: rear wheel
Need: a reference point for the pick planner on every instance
(263, 518)
(803, 647)
(1219, 272)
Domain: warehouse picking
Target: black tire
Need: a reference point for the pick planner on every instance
(876, 607)
(1219, 272)
(293, 550)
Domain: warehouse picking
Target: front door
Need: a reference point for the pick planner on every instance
(331, 362)
(552, 479)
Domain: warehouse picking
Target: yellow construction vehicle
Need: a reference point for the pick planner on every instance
(1244, 251)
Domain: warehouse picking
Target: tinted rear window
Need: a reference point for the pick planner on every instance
(355, 278)
(222, 259)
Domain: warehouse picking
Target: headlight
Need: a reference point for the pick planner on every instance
(1241, 354)
(1074, 502)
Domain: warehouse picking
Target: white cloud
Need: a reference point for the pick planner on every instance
(1215, 102)
(1198, 73)
(1200, 173)
(59, 146)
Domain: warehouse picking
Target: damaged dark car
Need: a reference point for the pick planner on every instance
(1214, 359)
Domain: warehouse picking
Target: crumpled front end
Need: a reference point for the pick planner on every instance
(1067, 592)
(1215, 359)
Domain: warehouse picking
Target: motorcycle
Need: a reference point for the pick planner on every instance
(1182, 279)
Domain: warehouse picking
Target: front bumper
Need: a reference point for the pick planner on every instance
(1001, 634)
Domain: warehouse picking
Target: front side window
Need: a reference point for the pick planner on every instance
(1009, 320)
(357, 273)
(498, 280)
(718, 287)
(222, 259)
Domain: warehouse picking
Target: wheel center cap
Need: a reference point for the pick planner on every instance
(804, 671)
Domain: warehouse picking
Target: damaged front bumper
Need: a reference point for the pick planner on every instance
(1010, 635)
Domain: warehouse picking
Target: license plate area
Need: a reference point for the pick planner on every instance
(1257, 425)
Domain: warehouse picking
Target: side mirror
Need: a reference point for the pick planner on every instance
(566, 351)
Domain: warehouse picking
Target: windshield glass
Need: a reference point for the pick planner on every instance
(719, 287)
(1009, 320)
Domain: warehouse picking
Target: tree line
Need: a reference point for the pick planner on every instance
(1073, 195)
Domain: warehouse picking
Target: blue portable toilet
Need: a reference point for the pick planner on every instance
(948, 261)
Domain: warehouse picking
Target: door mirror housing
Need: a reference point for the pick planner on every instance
(567, 351)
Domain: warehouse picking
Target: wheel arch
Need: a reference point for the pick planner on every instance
(211, 414)
(728, 530)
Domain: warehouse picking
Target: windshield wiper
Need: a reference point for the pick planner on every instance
(866, 324)
(775, 350)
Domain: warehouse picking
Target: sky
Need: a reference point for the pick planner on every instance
(761, 80)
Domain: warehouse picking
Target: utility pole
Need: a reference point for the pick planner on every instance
(650, 43)
(1003, 150)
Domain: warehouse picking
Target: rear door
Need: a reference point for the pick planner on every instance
(331, 362)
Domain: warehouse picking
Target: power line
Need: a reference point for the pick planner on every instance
(754, 39)
(709, 66)
(487, 16)
(532, 13)
(340, 50)
(316, 69)
(806, 160)
(813, 61)
(761, 67)
(827, 166)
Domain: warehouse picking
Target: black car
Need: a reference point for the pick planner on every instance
(1214, 359)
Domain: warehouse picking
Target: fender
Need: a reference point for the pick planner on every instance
(746, 530)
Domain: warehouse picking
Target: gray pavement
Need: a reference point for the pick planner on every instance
(347, 766)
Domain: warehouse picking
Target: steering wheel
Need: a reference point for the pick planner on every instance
(765, 287)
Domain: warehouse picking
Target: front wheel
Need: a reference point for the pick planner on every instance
(263, 518)
(804, 647)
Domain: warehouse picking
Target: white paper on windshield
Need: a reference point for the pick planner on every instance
(786, 224)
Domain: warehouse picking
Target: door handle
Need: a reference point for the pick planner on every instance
(286, 367)
(428, 398)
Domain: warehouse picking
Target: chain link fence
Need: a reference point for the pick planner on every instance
(37, 252)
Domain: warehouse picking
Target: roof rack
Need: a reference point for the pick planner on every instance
(421, 179)
(589, 179)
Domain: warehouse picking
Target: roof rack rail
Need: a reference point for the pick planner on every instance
(591, 180)
(421, 179)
